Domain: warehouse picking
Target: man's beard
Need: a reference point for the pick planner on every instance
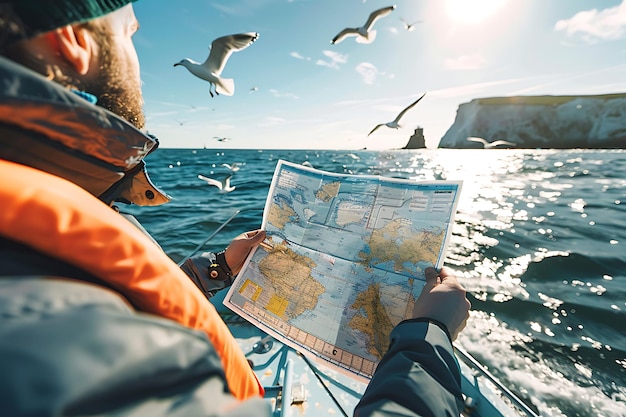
(116, 92)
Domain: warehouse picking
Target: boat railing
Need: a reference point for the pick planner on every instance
(480, 370)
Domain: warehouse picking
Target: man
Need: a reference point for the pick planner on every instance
(54, 127)
(94, 318)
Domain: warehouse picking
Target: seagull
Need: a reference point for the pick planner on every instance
(211, 69)
(221, 139)
(223, 185)
(234, 167)
(489, 145)
(410, 26)
(365, 33)
(394, 124)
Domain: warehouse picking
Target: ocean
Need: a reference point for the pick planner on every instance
(539, 242)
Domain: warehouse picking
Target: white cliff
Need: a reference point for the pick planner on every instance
(541, 122)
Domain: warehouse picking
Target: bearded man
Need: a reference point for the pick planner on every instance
(72, 148)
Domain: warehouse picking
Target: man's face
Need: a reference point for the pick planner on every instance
(114, 75)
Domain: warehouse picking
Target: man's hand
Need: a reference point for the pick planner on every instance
(443, 299)
(238, 250)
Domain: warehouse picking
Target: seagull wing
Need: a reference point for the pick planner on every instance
(377, 126)
(344, 34)
(407, 108)
(211, 181)
(410, 26)
(502, 142)
(377, 14)
(475, 139)
(227, 187)
(222, 48)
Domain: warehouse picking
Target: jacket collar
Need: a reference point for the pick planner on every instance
(39, 117)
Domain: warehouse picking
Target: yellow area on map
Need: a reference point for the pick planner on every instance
(290, 279)
(279, 215)
(328, 191)
(277, 305)
(250, 290)
(397, 242)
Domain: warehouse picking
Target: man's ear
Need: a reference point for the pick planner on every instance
(73, 43)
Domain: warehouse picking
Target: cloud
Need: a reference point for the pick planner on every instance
(243, 8)
(368, 72)
(226, 9)
(164, 113)
(465, 63)
(472, 90)
(272, 121)
(298, 56)
(594, 26)
(222, 126)
(277, 93)
(335, 59)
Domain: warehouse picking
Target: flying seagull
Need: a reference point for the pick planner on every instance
(489, 145)
(223, 185)
(394, 124)
(410, 26)
(211, 69)
(234, 167)
(365, 33)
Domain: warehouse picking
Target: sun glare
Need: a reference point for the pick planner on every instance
(472, 11)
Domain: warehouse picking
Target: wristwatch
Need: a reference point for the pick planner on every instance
(219, 270)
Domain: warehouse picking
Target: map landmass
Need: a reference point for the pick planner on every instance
(328, 191)
(375, 321)
(280, 214)
(289, 275)
(349, 213)
(399, 243)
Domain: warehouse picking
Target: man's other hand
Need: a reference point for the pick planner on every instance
(443, 299)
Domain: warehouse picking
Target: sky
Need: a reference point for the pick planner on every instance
(296, 90)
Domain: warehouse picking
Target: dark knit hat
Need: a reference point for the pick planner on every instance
(23, 19)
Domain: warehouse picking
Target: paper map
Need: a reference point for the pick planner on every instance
(343, 261)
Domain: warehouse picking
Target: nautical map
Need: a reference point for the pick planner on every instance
(343, 261)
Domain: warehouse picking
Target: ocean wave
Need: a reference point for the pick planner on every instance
(574, 265)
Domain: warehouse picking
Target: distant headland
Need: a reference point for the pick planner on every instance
(554, 122)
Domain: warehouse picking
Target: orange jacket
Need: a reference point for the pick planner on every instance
(60, 219)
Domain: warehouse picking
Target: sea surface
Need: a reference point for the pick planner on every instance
(539, 242)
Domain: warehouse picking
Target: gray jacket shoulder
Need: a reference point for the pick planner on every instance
(71, 348)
